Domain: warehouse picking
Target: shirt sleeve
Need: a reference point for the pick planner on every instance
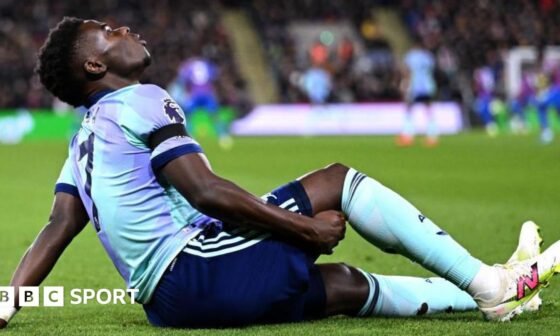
(65, 182)
(149, 109)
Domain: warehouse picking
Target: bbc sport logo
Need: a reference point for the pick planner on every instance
(54, 296)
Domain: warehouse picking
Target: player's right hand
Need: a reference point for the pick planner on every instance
(3, 324)
(329, 227)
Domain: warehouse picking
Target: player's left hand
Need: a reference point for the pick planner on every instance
(330, 228)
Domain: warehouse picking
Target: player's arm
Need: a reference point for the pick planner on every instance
(219, 198)
(68, 218)
(154, 120)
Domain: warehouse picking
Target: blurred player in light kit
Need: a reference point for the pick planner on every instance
(419, 87)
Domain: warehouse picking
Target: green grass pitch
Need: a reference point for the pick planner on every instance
(478, 189)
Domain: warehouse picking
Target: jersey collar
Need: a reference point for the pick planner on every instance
(91, 100)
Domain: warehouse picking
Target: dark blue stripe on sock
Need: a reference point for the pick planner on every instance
(359, 179)
(353, 182)
(375, 296)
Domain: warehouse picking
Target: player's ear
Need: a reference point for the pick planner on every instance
(94, 68)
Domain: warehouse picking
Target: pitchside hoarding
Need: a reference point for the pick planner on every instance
(293, 119)
(345, 119)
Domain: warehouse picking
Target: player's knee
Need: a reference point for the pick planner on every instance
(346, 288)
(343, 268)
(337, 170)
(349, 272)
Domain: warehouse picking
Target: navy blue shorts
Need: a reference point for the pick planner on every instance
(235, 276)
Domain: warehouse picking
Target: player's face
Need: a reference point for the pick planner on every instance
(122, 51)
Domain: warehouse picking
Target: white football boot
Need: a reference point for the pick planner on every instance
(520, 282)
(529, 246)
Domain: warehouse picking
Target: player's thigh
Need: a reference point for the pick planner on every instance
(227, 277)
(346, 289)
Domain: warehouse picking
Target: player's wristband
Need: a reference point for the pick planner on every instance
(6, 313)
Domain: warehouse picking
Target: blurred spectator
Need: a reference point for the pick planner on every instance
(319, 54)
(356, 76)
(375, 72)
(345, 52)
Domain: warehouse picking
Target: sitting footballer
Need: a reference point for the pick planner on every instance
(202, 252)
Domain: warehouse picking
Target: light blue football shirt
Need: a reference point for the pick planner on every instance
(421, 64)
(142, 221)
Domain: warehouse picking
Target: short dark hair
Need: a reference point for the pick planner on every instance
(54, 64)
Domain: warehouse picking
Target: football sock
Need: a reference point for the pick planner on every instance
(432, 128)
(410, 296)
(408, 126)
(391, 223)
(486, 285)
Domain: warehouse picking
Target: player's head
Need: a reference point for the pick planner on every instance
(80, 56)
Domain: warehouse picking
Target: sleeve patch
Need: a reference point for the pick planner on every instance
(173, 111)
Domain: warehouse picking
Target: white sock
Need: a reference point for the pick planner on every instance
(486, 285)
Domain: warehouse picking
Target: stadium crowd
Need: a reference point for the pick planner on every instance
(469, 35)
(354, 76)
(175, 30)
(463, 36)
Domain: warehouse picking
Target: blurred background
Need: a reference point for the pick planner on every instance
(307, 67)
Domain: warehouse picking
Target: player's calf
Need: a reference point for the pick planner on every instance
(347, 290)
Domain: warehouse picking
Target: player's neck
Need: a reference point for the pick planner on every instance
(109, 82)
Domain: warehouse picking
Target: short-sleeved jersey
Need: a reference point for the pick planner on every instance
(142, 221)
(421, 64)
(198, 74)
(484, 80)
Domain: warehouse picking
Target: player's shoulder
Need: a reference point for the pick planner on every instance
(149, 106)
(148, 91)
(146, 97)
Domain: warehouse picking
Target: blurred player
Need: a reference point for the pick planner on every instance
(420, 88)
(197, 75)
(548, 96)
(203, 252)
(524, 99)
(317, 84)
(485, 85)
